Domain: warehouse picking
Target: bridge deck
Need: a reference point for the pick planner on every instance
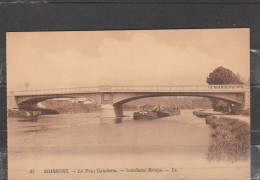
(98, 89)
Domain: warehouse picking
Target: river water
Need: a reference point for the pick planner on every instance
(81, 141)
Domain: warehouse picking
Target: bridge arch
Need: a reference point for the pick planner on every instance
(26, 102)
(236, 99)
(231, 98)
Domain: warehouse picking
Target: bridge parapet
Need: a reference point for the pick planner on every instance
(55, 91)
(188, 88)
(98, 89)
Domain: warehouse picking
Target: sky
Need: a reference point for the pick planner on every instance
(66, 59)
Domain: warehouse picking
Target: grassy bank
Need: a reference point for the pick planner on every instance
(230, 139)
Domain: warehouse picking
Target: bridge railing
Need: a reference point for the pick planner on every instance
(188, 88)
(55, 91)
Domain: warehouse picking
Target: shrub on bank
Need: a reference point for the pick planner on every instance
(201, 114)
(230, 139)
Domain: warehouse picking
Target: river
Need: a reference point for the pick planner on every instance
(80, 141)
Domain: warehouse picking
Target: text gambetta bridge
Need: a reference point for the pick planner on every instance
(112, 98)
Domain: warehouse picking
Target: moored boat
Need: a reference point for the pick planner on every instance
(165, 112)
(155, 113)
(145, 115)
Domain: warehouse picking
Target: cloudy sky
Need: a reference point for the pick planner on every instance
(142, 57)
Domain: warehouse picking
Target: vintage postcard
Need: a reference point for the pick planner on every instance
(129, 104)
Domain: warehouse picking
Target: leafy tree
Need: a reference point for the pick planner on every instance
(222, 75)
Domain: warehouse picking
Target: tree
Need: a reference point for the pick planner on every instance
(222, 75)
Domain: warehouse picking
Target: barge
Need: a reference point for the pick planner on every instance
(156, 113)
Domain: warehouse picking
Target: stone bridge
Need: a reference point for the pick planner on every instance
(112, 98)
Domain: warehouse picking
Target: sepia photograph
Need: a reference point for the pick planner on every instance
(129, 104)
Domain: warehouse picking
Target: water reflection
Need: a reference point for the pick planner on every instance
(111, 120)
(28, 119)
(88, 130)
(37, 131)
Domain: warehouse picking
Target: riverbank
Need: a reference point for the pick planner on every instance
(230, 137)
(208, 112)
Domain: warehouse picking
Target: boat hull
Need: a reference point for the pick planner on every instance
(145, 115)
(154, 115)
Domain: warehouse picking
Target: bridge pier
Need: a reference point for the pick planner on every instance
(119, 111)
(247, 100)
(110, 111)
(107, 111)
(111, 114)
(241, 108)
(11, 103)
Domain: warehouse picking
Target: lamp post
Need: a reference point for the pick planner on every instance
(26, 85)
